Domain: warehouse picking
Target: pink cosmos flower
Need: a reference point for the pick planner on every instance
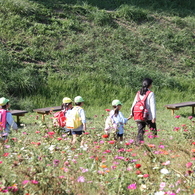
(25, 182)
(65, 169)
(190, 117)
(81, 179)
(146, 175)
(119, 157)
(107, 110)
(132, 186)
(189, 164)
(1, 162)
(56, 162)
(131, 141)
(162, 185)
(84, 170)
(166, 163)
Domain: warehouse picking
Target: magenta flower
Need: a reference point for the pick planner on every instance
(51, 133)
(177, 116)
(81, 179)
(190, 117)
(132, 186)
(56, 162)
(161, 146)
(34, 182)
(131, 141)
(84, 170)
(25, 182)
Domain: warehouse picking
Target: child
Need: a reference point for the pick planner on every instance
(66, 104)
(6, 120)
(117, 120)
(151, 107)
(79, 101)
(60, 117)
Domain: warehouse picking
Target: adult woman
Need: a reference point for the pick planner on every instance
(150, 106)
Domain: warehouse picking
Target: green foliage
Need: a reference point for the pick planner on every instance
(132, 13)
(70, 48)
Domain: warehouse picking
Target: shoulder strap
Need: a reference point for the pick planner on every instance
(77, 108)
(145, 97)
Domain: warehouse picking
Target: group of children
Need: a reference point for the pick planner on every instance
(114, 123)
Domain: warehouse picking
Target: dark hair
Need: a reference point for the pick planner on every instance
(65, 106)
(116, 110)
(145, 84)
(4, 106)
(78, 103)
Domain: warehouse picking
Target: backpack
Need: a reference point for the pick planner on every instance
(60, 118)
(3, 121)
(73, 120)
(110, 125)
(140, 113)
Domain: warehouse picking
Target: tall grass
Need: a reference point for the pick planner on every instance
(75, 48)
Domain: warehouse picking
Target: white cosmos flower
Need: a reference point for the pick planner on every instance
(159, 193)
(164, 171)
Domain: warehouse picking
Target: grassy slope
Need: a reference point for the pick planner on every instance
(70, 49)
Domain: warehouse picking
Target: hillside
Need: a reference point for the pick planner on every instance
(100, 50)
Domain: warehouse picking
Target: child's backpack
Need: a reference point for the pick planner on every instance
(73, 120)
(3, 121)
(60, 118)
(140, 113)
(110, 125)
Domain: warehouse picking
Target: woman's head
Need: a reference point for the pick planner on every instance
(147, 82)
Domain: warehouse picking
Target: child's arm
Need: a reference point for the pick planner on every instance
(124, 120)
(83, 119)
(11, 122)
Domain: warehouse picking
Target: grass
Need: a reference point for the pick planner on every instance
(71, 46)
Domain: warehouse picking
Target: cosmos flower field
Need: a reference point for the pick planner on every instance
(39, 159)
